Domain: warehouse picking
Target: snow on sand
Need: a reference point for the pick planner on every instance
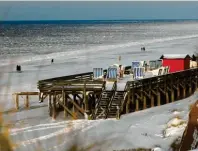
(156, 127)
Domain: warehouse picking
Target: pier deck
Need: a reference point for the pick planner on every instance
(80, 94)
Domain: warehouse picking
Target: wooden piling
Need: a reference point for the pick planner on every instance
(128, 101)
(184, 92)
(27, 101)
(178, 92)
(158, 98)
(152, 100)
(17, 101)
(167, 97)
(137, 105)
(54, 106)
(50, 104)
(144, 102)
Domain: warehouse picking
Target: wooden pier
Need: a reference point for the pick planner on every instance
(26, 101)
(79, 95)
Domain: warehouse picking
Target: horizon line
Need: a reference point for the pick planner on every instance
(82, 21)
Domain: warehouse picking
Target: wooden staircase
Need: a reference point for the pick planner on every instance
(116, 103)
(103, 103)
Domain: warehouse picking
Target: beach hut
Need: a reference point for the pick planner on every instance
(176, 62)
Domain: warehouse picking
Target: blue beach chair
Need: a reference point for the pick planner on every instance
(97, 73)
(135, 64)
(138, 73)
(112, 73)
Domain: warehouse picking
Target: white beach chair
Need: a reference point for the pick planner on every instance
(138, 73)
(98, 73)
(112, 73)
(160, 71)
(166, 70)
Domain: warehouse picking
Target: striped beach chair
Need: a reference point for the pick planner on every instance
(138, 73)
(98, 73)
(135, 64)
(112, 73)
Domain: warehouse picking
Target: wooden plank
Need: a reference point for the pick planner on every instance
(26, 93)
(73, 115)
(76, 105)
(153, 92)
(162, 91)
(147, 94)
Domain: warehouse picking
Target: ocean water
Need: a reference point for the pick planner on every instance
(78, 48)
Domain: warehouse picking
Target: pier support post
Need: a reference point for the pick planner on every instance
(128, 101)
(184, 92)
(27, 101)
(54, 106)
(167, 97)
(172, 95)
(85, 98)
(64, 102)
(50, 104)
(158, 98)
(74, 99)
(144, 102)
(137, 105)
(152, 100)
(16, 101)
(190, 89)
(178, 92)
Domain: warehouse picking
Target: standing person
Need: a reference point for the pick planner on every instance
(52, 60)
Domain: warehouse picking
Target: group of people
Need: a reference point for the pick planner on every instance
(18, 68)
(143, 49)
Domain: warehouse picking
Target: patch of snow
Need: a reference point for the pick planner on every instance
(156, 149)
(175, 122)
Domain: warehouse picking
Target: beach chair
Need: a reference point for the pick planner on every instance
(158, 63)
(138, 73)
(135, 64)
(160, 72)
(152, 64)
(112, 73)
(98, 73)
(166, 70)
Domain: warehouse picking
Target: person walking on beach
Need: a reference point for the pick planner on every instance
(52, 60)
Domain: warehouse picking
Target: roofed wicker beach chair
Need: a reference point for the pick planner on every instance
(112, 73)
(98, 73)
(136, 64)
(138, 73)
